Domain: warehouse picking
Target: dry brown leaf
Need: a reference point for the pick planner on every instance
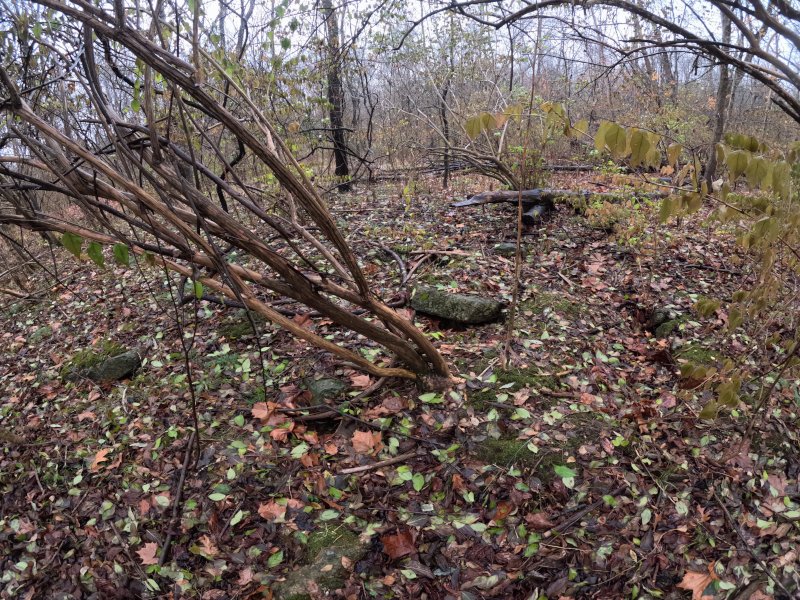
(272, 511)
(399, 545)
(147, 553)
(101, 456)
(697, 584)
(539, 521)
(360, 381)
(209, 548)
(366, 442)
(245, 576)
(261, 411)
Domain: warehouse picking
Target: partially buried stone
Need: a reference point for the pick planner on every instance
(460, 308)
(117, 367)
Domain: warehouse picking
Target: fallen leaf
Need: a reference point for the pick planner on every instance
(261, 411)
(399, 545)
(85, 415)
(539, 521)
(366, 442)
(101, 456)
(272, 511)
(147, 553)
(697, 584)
(245, 576)
(208, 546)
(360, 381)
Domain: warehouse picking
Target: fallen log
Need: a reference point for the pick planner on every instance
(538, 202)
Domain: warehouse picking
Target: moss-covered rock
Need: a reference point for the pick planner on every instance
(83, 360)
(460, 308)
(324, 388)
(507, 249)
(116, 367)
(324, 571)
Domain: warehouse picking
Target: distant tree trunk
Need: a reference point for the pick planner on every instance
(443, 107)
(723, 94)
(336, 95)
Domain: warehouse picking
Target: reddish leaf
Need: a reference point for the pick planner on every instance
(272, 511)
(261, 411)
(697, 584)
(539, 521)
(360, 381)
(366, 442)
(101, 456)
(147, 553)
(399, 545)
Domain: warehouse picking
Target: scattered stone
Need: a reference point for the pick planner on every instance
(507, 249)
(117, 367)
(662, 321)
(460, 308)
(324, 388)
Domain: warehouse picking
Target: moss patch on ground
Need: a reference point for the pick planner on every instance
(555, 302)
(698, 354)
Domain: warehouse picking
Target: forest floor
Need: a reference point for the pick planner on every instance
(580, 470)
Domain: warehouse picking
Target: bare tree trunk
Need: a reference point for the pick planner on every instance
(723, 94)
(336, 95)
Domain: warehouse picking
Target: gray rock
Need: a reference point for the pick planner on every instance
(117, 367)
(324, 388)
(460, 308)
(324, 574)
(507, 249)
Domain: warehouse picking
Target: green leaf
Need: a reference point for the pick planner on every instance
(418, 481)
(275, 559)
(616, 140)
(600, 136)
(665, 212)
(728, 393)
(198, 290)
(579, 129)
(286, 43)
(564, 471)
(217, 497)
(121, 255)
(95, 252)
(431, 398)
(737, 162)
(673, 153)
(757, 171)
(647, 514)
(709, 410)
(640, 146)
(329, 515)
(239, 420)
(473, 127)
(300, 450)
(72, 243)
(236, 519)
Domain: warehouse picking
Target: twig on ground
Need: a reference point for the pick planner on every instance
(178, 502)
(380, 464)
(400, 263)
